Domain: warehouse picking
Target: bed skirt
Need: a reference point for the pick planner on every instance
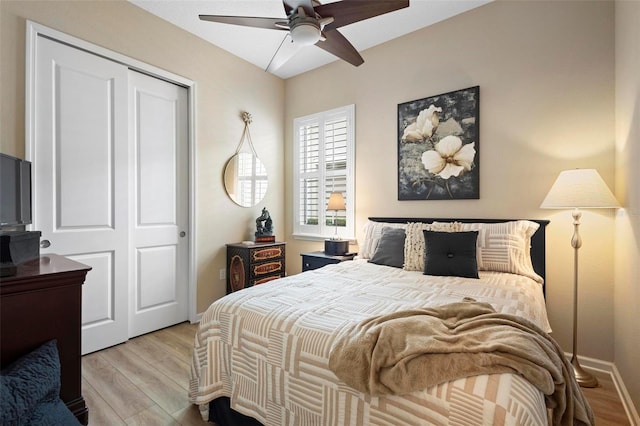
(220, 412)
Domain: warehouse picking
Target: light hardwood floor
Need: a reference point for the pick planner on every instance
(145, 382)
(605, 403)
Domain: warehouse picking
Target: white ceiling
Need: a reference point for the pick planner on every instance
(258, 46)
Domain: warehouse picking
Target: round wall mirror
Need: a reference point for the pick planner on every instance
(245, 179)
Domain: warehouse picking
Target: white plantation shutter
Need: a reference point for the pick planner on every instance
(323, 163)
(335, 154)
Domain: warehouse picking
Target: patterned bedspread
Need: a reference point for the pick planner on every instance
(267, 348)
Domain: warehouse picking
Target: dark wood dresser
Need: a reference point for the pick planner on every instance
(253, 264)
(42, 302)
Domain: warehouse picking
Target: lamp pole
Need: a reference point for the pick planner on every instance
(582, 377)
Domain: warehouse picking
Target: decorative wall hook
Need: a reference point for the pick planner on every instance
(248, 119)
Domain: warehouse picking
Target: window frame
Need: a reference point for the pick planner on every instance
(322, 231)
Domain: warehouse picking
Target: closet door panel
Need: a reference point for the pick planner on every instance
(159, 132)
(81, 179)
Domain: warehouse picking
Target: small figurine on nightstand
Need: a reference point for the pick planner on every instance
(264, 228)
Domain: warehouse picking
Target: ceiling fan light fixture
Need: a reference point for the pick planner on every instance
(305, 34)
(310, 21)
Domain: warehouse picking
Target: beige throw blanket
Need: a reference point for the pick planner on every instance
(405, 351)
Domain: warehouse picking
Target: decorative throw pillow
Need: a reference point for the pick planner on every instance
(505, 247)
(372, 234)
(414, 243)
(390, 250)
(451, 254)
(49, 413)
(29, 381)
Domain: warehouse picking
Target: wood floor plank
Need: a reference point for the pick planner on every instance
(154, 353)
(101, 412)
(605, 403)
(155, 416)
(161, 389)
(184, 331)
(178, 345)
(116, 389)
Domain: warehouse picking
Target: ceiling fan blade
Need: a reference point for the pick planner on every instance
(247, 21)
(293, 5)
(347, 12)
(285, 52)
(339, 46)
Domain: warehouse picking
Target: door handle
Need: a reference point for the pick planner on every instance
(45, 244)
(182, 234)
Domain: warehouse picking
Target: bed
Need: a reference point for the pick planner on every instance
(263, 351)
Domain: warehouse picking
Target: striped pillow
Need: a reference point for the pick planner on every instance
(505, 247)
(372, 234)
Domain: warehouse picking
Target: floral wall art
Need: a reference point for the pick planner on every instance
(438, 147)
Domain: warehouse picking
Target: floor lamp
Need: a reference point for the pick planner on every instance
(579, 188)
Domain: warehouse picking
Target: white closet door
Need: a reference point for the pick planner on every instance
(159, 133)
(81, 179)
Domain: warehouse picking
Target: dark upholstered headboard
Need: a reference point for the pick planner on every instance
(537, 241)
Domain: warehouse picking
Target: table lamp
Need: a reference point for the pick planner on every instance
(336, 246)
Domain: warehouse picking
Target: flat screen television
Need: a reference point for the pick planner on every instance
(15, 191)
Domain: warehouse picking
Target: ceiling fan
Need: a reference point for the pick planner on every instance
(310, 22)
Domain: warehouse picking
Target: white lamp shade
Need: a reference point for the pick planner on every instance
(336, 202)
(305, 34)
(579, 188)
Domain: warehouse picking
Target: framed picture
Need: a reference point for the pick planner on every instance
(438, 147)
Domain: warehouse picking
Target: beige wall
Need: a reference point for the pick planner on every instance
(546, 77)
(226, 86)
(627, 249)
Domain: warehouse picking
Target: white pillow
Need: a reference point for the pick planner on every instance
(505, 247)
(414, 242)
(372, 234)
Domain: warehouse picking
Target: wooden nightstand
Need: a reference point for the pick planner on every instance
(253, 264)
(318, 259)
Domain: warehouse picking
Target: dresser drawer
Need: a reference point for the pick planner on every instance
(267, 268)
(262, 280)
(262, 254)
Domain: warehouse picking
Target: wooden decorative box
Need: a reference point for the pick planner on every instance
(253, 264)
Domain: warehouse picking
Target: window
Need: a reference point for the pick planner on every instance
(323, 161)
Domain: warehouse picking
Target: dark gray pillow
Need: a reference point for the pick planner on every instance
(390, 250)
(451, 254)
(30, 388)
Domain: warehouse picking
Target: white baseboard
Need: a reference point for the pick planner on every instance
(632, 413)
(611, 369)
